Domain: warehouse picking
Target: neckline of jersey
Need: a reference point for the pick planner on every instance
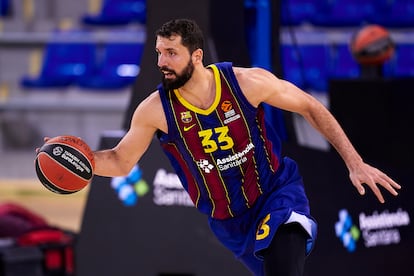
(214, 105)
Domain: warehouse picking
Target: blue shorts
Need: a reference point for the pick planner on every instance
(249, 234)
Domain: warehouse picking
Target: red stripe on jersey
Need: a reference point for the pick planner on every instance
(189, 125)
(240, 132)
(192, 188)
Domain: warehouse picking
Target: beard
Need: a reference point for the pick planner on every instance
(180, 79)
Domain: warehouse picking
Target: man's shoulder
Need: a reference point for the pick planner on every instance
(153, 96)
(247, 72)
(151, 111)
(152, 101)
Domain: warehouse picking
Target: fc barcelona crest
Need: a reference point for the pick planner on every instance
(186, 117)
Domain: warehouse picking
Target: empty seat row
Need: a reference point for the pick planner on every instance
(118, 12)
(310, 66)
(110, 65)
(4, 7)
(111, 12)
(336, 13)
(402, 63)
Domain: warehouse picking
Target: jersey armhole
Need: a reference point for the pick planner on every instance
(226, 68)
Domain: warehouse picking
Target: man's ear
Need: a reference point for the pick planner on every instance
(198, 56)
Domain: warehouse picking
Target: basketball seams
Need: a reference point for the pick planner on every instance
(88, 158)
(62, 166)
(82, 182)
(65, 164)
(48, 183)
(81, 146)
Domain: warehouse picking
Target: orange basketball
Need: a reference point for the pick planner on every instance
(65, 164)
(372, 45)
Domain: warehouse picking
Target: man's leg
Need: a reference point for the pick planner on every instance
(286, 254)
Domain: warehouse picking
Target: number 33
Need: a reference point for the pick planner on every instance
(223, 140)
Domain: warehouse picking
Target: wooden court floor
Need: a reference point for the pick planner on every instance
(64, 211)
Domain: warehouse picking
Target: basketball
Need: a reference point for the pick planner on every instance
(372, 45)
(65, 164)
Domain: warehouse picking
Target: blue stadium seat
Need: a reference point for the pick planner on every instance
(344, 65)
(118, 12)
(4, 7)
(296, 12)
(291, 65)
(117, 69)
(307, 65)
(394, 13)
(402, 63)
(338, 13)
(63, 63)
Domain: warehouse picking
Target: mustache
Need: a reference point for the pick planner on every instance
(166, 69)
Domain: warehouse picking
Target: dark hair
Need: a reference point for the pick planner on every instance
(190, 32)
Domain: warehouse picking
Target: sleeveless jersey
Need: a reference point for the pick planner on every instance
(226, 156)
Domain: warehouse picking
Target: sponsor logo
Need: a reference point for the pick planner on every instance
(57, 151)
(130, 187)
(234, 160)
(376, 229)
(347, 231)
(187, 128)
(70, 158)
(169, 191)
(205, 165)
(228, 162)
(382, 228)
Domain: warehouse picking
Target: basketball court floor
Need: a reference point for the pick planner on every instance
(19, 184)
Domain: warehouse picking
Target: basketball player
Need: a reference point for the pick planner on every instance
(210, 123)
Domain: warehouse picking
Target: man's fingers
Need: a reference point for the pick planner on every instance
(374, 178)
(360, 188)
(378, 193)
(391, 188)
(374, 188)
(393, 184)
(390, 185)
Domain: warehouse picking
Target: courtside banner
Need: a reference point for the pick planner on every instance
(357, 235)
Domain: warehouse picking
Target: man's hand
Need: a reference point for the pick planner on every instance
(365, 174)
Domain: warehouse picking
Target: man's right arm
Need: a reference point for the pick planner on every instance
(119, 160)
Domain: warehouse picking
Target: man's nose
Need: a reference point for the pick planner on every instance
(161, 61)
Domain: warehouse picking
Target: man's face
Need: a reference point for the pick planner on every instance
(174, 62)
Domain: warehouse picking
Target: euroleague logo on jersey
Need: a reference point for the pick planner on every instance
(229, 112)
(226, 106)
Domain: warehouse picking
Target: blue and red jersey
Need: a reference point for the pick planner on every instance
(226, 156)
